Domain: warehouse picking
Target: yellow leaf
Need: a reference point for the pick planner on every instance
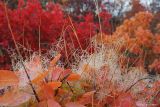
(8, 78)
(73, 77)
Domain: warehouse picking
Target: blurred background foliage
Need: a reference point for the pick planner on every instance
(119, 10)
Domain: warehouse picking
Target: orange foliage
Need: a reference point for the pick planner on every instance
(130, 26)
(136, 7)
(135, 40)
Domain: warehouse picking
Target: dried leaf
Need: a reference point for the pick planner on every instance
(8, 78)
(73, 77)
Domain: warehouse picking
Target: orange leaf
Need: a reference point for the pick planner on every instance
(40, 77)
(54, 85)
(73, 77)
(54, 61)
(59, 73)
(8, 78)
(74, 104)
(45, 92)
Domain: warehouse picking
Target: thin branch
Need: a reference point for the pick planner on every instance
(19, 54)
(136, 83)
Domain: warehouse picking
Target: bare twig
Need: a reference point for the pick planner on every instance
(19, 54)
(136, 83)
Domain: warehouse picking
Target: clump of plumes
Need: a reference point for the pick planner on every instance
(34, 65)
(104, 70)
(95, 60)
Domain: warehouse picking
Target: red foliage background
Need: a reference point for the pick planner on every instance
(29, 20)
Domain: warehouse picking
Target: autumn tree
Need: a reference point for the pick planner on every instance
(136, 7)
